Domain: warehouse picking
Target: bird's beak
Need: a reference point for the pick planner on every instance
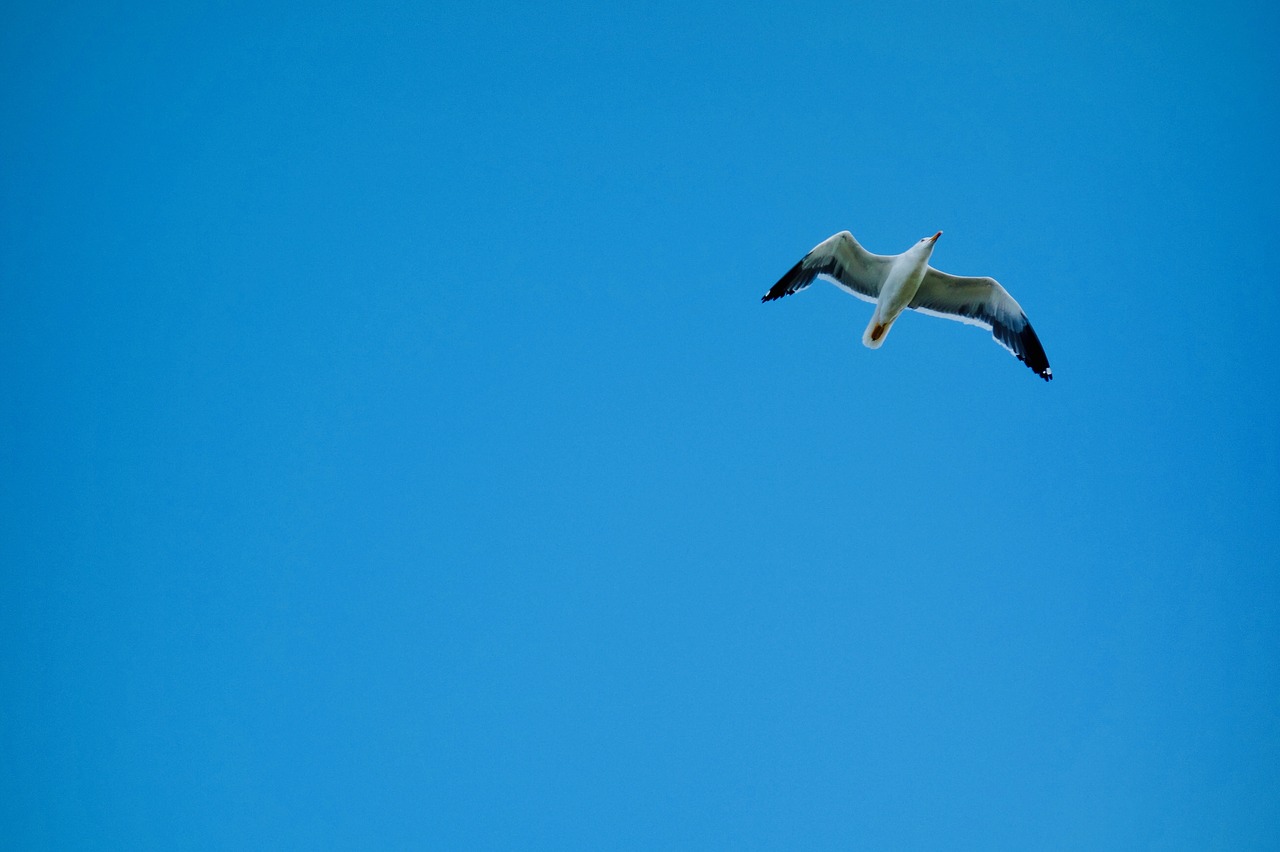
(934, 238)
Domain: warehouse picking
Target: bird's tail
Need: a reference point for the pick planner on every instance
(877, 331)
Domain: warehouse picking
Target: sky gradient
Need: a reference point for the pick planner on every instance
(396, 453)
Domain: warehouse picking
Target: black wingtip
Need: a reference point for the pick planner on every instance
(794, 280)
(1034, 353)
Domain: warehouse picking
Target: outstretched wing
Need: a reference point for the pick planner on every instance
(983, 302)
(841, 261)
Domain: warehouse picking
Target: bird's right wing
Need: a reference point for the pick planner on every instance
(841, 261)
(984, 303)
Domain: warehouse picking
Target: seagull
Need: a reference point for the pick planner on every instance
(894, 283)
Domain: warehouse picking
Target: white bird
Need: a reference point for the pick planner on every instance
(897, 282)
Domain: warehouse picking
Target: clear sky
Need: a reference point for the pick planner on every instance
(395, 452)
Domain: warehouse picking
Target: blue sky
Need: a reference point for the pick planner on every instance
(396, 453)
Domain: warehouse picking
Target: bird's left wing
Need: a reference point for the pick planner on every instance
(842, 261)
(983, 302)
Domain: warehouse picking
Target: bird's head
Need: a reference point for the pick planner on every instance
(925, 246)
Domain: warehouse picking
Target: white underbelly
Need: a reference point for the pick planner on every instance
(896, 295)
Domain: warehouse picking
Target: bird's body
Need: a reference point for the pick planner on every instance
(895, 283)
(902, 279)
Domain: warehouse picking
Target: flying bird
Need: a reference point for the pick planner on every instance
(894, 283)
